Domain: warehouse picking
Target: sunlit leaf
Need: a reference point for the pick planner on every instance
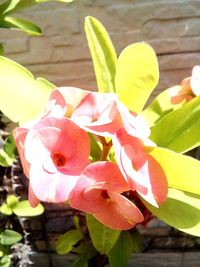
(5, 159)
(122, 250)
(103, 238)
(22, 97)
(162, 105)
(179, 130)
(5, 261)
(66, 241)
(20, 24)
(103, 54)
(11, 6)
(12, 201)
(5, 209)
(9, 146)
(181, 210)
(137, 75)
(24, 209)
(183, 172)
(10, 237)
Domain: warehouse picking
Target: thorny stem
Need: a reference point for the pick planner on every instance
(106, 148)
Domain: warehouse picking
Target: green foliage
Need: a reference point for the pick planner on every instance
(86, 250)
(103, 238)
(80, 262)
(20, 24)
(95, 150)
(181, 210)
(7, 152)
(181, 126)
(24, 209)
(122, 250)
(31, 96)
(66, 241)
(5, 261)
(137, 75)
(103, 54)
(9, 237)
(161, 106)
(182, 171)
(6, 210)
(12, 201)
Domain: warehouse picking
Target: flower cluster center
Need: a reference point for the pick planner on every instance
(59, 159)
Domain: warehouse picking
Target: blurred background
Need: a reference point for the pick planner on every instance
(61, 54)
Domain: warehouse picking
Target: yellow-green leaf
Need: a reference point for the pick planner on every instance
(162, 105)
(20, 24)
(22, 97)
(66, 241)
(179, 129)
(24, 209)
(137, 75)
(103, 238)
(103, 54)
(181, 210)
(183, 172)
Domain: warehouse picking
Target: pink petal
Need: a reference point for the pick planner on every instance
(49, 187)
(20, 136)
(98, 114)
(33, 200)
(119, 213)
(69, 97)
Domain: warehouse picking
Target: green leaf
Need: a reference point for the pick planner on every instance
(5, 209)
(181, 210)
(95, 150)
(181, 128)
(9, 237)
(137, 75)
(86, 250)
(5, 159)
(122, 250)
(1, 50)
(24, 209)
(162, 105)
(22, 97)
(136, 240)
(9, 146)
(8, 6)
(5, 261)
(182, 172)
(20, 24)
(80, 262)
(12, 201)
(103, 238)
(103, 54)
(66, 241)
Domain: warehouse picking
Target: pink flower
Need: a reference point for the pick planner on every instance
(56, 151)
(99, 113)
(99, 192)
(142, 172)
(189, 87)
(68, 98)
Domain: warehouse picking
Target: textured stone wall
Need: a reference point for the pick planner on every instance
(61, 54)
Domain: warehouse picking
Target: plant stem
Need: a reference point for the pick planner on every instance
(106, 148)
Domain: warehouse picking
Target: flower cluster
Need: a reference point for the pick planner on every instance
(55, 153)
(188, 88)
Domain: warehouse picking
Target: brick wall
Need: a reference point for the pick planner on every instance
(61, 54)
